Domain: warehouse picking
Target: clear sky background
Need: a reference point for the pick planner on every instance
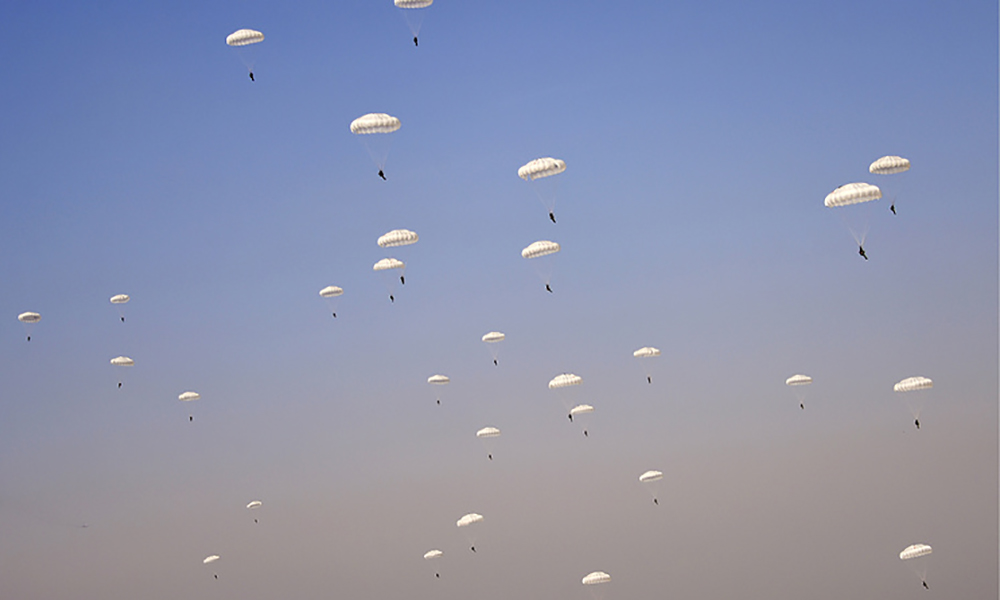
(700, 138)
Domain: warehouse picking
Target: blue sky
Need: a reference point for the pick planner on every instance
(700, 140)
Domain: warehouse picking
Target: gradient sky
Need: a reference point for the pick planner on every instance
(701, 138)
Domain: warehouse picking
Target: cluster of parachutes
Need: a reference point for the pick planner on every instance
(851, 199)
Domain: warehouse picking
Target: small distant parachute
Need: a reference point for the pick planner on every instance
(565, 380)
(189, 396)
(491, 340)
(438, 379)
(386, 265)
(914, 551)
(398, 237)
(852, 193)
(244, 37)
(331, 291)
(122, 361)
(646, 352)
(488, 432)
(581, 409)
(541, 167)
(414, 16)
(431, 554)
(914, 557)
(254, 504)
(912, 384)
(469, 519)
(650, 476)
(595, 578)
(799, 380)
(29, 317)
(120, 299)
(377, 146)
(889, 165)
(210, 559)
(540, 248)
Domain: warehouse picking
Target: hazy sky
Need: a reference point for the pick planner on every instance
(700, 139)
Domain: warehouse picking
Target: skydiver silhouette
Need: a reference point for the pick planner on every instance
(656, 502)
(438, 575)
(391, 299)
(494, 362)
(190, 418)
(123, 319)
(552, 216)
(256, 521)
(547, 288)
(802, 406)
(251, 79)
(29, 338)
(216, 575)
(382, 175)
(585, 434)
(649, 379)
(473, 548)
(334, 315)
(119, 385)
(439, 402)
(570, 415)
(402, 279)
(490, 455)
(892, 207)
(917, 423)
(861, 251)
(925, 585)
(415, 41)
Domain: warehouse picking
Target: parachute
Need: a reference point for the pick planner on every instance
(565, 380)
(431, 554)
(650, 479)
(385, 266)
(647, 352)
(376, 123)
(331, 291)
(799, 380)
(581, 409)
(437, 381)
(398, 237)
(414, 17)
(210, 559)
(491, 340)
(914, 551)
(254, 504)
(189, 396)
(29, 317)
(595, 578)
(796, 382)
(469, 519)
(650, 476)
(912, 384)
(541, 167)
(243, 40)
(122, 361)
(915, 558)
(120, 299)
(852, 193)
(488, 435)
(244, 37)
(889, 165)
(540, 248)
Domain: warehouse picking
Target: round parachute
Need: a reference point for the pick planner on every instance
(29, 317)
(852, 193)
(914, 551)
(650, 476)
(331, 291)
(595, 578)
(120, 299)
(540, 248)
(541, 167)
(398, 237)
(122, 361)
(388, 263)
(433, 554)
(210, 559)
(254, 504)
(469, 519)
(565, 380)
(646, 352)
(889, 165)
(375, 123)
(438, 379)
(189, 396)
(912, 384)
(799, 380)
(493, 337)
(244, 37)
(488, 432)
(413, 3)
(580, 409)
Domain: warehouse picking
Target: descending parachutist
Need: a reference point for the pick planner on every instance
(415, 41)
(438, 575)
(547, 288)
(494, 362)
(402, 280)
(334, 315)
(656, 502)
(473, 548)
(649, 379)
(123, 319)
(190, 418)
(256, 521)
(892, 207)
(251, 79)
(917, 423)
(861, 251)
(391, 299)
(439, 403)
(216, 575)
(925, 585)
(490, 456)
(585, 434)
(119, 385)
(382, 175)
(29, 338)
(802, 406)
(570, 415)
(552, 216)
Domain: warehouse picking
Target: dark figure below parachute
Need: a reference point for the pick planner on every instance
(402, 280)
(334, 315)
(570, 415)
(802, 406)
(473, 548)
(917, 423)
(892, 207)
(382, 175)
(123, 319)
(547, 288)
(552, 216)
(392, 299)
(415, 41)
(119, 385)
(925, 585)
(251, 79)
(861, 251)
(656, 502)
(494, 362)
(649, 379)
(490, 456)
(190, 418)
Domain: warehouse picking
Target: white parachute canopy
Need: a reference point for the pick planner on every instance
(331, 291)
(244, 37)
(541, 167)
(189, 396)
(912, 384)
(438, 379)
(889, 165)
(388, 263)
(492, 340)
(564, 380)
(540, 248)
(581, 409)
(469, 519)
(650, 476)
(488, 432)
(915, 551)
(122, 361)
(852, 193)
(120, 299)
(210, 559)
(254, 504)
(595, 578)
(799, 380)
(432, 554)
(367, 127)
(385, 266)
(796, 382)
(29, 317)
(398, 237)
(414, 17)
(646, 352)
